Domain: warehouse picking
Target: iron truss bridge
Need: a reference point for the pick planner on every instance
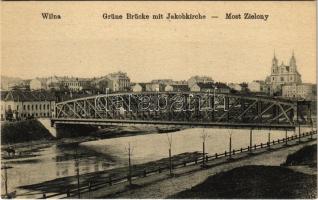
(183, 108)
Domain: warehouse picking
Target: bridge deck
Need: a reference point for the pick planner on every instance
(101, 122)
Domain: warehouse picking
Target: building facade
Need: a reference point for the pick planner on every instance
(17, 105)
(120, 81)
(199, 79)
(138, 87)
(258, 86)
(38, 84)
(76, 84)
(210, 87)
(177, 88)
(101, 85)
(283, 74)
(155, 87)
(299, 91)
(235, 86)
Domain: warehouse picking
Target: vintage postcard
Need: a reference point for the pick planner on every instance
(158, 99)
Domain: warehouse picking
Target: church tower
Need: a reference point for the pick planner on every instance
(292, 63)
(274, 64)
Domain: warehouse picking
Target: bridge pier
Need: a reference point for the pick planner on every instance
(74, 130)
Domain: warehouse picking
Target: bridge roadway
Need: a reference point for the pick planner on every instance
(123, 122)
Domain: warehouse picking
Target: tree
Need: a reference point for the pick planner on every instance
(77, 173)
(129, 151)
(204, 136)
(169, 136)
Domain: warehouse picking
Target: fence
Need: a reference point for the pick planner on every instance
(73, 192)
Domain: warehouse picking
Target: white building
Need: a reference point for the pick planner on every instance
(257, 86)
(235, 86)
(154, 87)
(138, 87)
(199, 79)
(304, 91)
(38, 84)
(17, 104)
(177, 88)
(120, 81)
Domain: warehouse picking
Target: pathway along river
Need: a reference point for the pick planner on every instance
(56, 160)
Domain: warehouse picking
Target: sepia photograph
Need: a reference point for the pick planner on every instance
(158, 100)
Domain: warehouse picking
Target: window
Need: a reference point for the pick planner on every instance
(273, 78)
(281, 78)
(40, 106)
(23, 107)
(36, 107)
(28, 107)
(48, 106)
(17, 107)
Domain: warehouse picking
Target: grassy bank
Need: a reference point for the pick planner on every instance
(255, 182)
(262, 181)
(304, 156)
(23, 131)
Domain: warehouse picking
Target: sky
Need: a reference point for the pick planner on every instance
(84, 44)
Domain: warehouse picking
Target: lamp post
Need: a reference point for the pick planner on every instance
(170, 159)
(251, 139)
(312, 129)
(286, 137)
(230, 147)
(269, 139)
(299, 133)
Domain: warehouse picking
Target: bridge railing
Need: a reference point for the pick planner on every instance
(110, 180)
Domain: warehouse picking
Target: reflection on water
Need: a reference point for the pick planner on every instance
(57, 161)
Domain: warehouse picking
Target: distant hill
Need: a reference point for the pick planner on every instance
(6, 81)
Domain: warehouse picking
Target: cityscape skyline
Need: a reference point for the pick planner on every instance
(280, 61)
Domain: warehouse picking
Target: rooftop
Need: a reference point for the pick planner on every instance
(20, 95)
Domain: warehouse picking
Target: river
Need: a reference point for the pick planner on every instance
(56, 160)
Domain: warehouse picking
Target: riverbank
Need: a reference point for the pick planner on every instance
(273, 182)
(185, 179)
(13, 133)
(58, 157)
(254, 182)
(23, 131)
(70, 182)
(161, 185)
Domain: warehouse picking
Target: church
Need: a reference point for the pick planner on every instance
(282, 74)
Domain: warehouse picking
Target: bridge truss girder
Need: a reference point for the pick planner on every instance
(182, 107)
